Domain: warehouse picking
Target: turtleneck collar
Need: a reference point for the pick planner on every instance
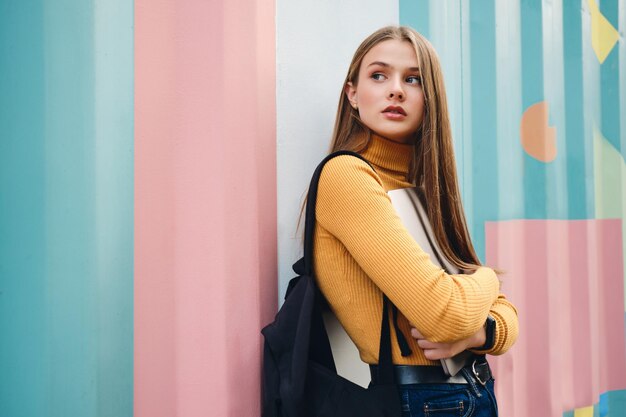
(391, 160)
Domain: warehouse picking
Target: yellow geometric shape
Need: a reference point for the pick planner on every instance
(584, 412)
(538, 138)
(603, 35)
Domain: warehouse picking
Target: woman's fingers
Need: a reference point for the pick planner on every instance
(434, 354)
(416, 334)
(425, 344)
(440, 351)
(435, 351)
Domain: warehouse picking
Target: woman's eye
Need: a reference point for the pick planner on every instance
(414, 80)
(378, 76)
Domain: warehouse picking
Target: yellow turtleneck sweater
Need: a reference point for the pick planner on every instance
(362, 247)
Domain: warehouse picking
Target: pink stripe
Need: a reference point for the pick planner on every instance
(565, 277)
(205, 204)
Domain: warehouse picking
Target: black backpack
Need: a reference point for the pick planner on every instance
(299, 374)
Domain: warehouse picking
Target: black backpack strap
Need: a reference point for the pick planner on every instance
(309, 223)
(404, 345)
(385, 363)
(320, 350)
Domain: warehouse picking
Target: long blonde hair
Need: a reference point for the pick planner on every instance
(433, 167)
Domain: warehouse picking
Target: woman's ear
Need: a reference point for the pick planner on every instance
(350, 91)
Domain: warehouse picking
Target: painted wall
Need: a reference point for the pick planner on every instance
(205, 205)
(537, 95)
(312, 58)
(152, 154)
(538, 101)
(137, 210)
(66, 208)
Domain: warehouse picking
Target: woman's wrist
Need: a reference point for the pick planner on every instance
(485, 337)
(479, 339)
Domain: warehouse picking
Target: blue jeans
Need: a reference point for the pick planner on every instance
(446, 400)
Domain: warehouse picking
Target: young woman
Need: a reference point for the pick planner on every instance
(393, 111)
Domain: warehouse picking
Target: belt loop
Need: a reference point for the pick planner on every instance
(470, 380)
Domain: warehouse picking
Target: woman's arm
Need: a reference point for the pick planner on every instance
(353, 206)
(506, 331)
(507, 327)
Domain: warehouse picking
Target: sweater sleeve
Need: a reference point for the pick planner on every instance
(353, 206)
(507, 327)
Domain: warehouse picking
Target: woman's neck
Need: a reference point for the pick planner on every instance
(392, 161)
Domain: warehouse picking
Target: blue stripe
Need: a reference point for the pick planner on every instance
(612, 403)
(70, 305)
(532, 92)
(67, 199)
(484, 123)
(416, 14)
(580, 195)
(22, 208)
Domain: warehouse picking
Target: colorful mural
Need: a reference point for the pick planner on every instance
(543, 182)
(140, 144)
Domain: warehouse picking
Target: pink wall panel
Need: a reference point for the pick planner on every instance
(205, 204)
(563, 276)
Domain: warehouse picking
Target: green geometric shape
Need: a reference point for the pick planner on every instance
(610, 185)
(609, 178)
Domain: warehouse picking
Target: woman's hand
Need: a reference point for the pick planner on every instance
(435, 351)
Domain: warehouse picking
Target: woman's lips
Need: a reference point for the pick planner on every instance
(394, 113)
(394, 116)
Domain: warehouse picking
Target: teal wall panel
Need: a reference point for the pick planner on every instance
(66, 211)
(22, 209)
(534, 173)
(69, 309)
(507, 156)
(482, 88)
(591, 104)
(579, 200)
(417, 15)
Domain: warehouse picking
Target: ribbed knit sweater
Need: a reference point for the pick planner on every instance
(362, 247)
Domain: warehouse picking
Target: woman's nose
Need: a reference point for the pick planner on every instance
(396, 90)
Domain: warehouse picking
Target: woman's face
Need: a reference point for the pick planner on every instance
(389, 95)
